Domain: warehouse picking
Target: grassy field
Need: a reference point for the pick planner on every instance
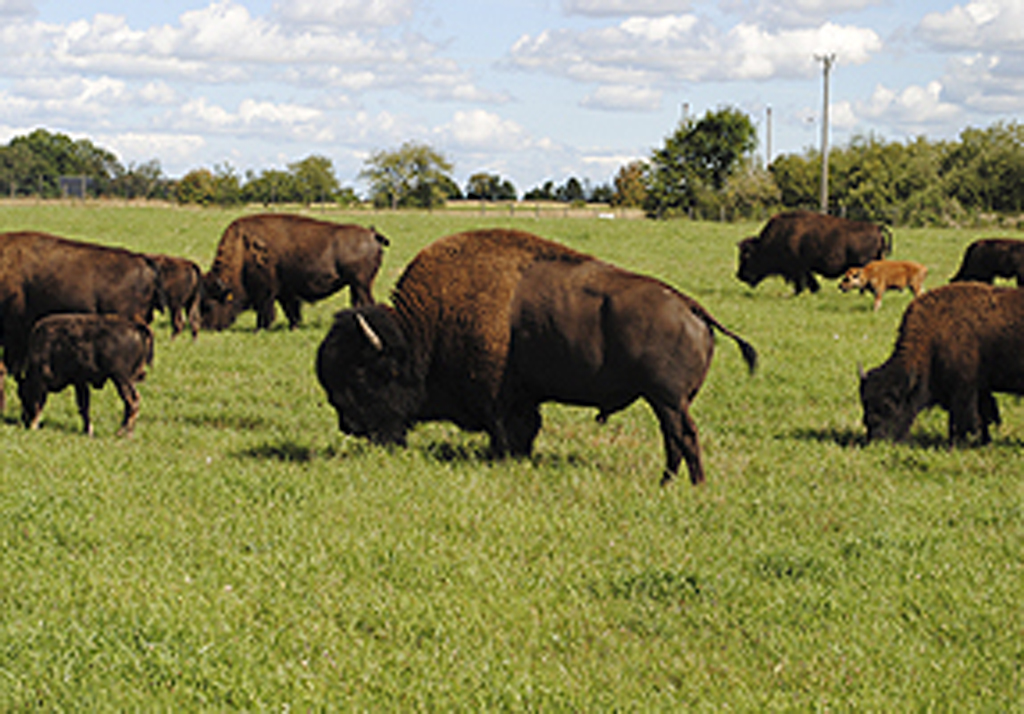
(240, 553)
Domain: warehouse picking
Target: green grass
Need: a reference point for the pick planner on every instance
(240, 553)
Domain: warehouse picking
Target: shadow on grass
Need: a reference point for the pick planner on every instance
(480, 453)
(848, 438)
(285, 451)
(225, 421)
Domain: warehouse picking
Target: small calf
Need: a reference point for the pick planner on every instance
(881, 275)
(84, 349)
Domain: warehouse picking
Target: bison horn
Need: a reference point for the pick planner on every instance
(370, 334)
(860, 371)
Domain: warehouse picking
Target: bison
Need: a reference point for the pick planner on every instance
(991, 258)
(957, 345)
(797, 244)
(84, 349)
(880, 275)
(41, 274)
(289, 259)
(182, 282)
(486, 325)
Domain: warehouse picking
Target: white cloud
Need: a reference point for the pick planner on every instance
(479, 129)
(605, 8)
(624, 98)
(133, 147)
(989, 25)
(669, 50)
(915, 106)
(17, 8)
(796, 13)
(345, 13)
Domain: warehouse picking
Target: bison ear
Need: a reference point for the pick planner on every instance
(371, 336)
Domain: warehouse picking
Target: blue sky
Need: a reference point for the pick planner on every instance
(529, 89)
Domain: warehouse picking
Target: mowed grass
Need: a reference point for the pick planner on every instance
(240, 553)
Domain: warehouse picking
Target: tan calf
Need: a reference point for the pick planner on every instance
(881, 275)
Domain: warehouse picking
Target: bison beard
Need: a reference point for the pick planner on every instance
(956, 346)
(487, 325)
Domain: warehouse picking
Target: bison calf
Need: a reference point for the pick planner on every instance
(957, 345)
(84, 349)
(880, 275)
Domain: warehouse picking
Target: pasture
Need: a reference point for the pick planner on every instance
(238, 552)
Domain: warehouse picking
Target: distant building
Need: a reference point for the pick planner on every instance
(74, 186)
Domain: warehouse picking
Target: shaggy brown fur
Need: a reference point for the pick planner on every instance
(957, 345)
(83, 350)
(991, 258)
(182, 282)
(487, 325)
(41, 274)
(288, 259)
(880, 275)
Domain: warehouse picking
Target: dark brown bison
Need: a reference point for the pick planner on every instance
(83, 350)
(991, 258)
(289, 259)
(182, 282)
(797, 244)
(957, 345)
(487, 325)
(41, 274)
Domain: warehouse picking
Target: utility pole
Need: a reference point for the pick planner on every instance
(827, 61)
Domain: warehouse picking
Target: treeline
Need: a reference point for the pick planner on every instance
(705, 169)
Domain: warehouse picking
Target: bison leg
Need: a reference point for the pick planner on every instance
(521, 427)
(177, 321)
(360, 294)
(292, 310)
(964, 417)
(130, 396)
(82, 397)
(680, 434)
(265, 314)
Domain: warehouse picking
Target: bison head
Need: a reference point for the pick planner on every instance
(888, 395)
(219, 305)
(750, 270)
(366, 366)
(853, 279)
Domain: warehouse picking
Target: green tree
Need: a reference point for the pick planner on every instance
(57, 155)
(314, 179)
(270, 186)
(631, 185)
(413, 175)
(698, 157)
(198, 186)
(490, 187)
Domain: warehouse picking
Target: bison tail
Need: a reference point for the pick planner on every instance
(886, 240)
(746, 349)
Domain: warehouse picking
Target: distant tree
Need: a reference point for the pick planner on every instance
(545, 192)
(490, 187)
(630, 185)
(270, 186)
(413, 175)
(698, 157)
(145, 180)
(57, 155)
(227, 187)
(18, 168)
(571, 191)
(449, 189)
(799, 179)
(197, 186)
(602, 193)
(314, 179)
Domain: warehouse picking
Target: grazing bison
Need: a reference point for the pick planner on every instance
(991, 258)
(182, 282)
(79, 350)
(289, 259)
(880, 275)
(487, 325)
(957, 345)
(797, 244)
(41, 274)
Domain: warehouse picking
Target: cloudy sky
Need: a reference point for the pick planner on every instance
(529, 89)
